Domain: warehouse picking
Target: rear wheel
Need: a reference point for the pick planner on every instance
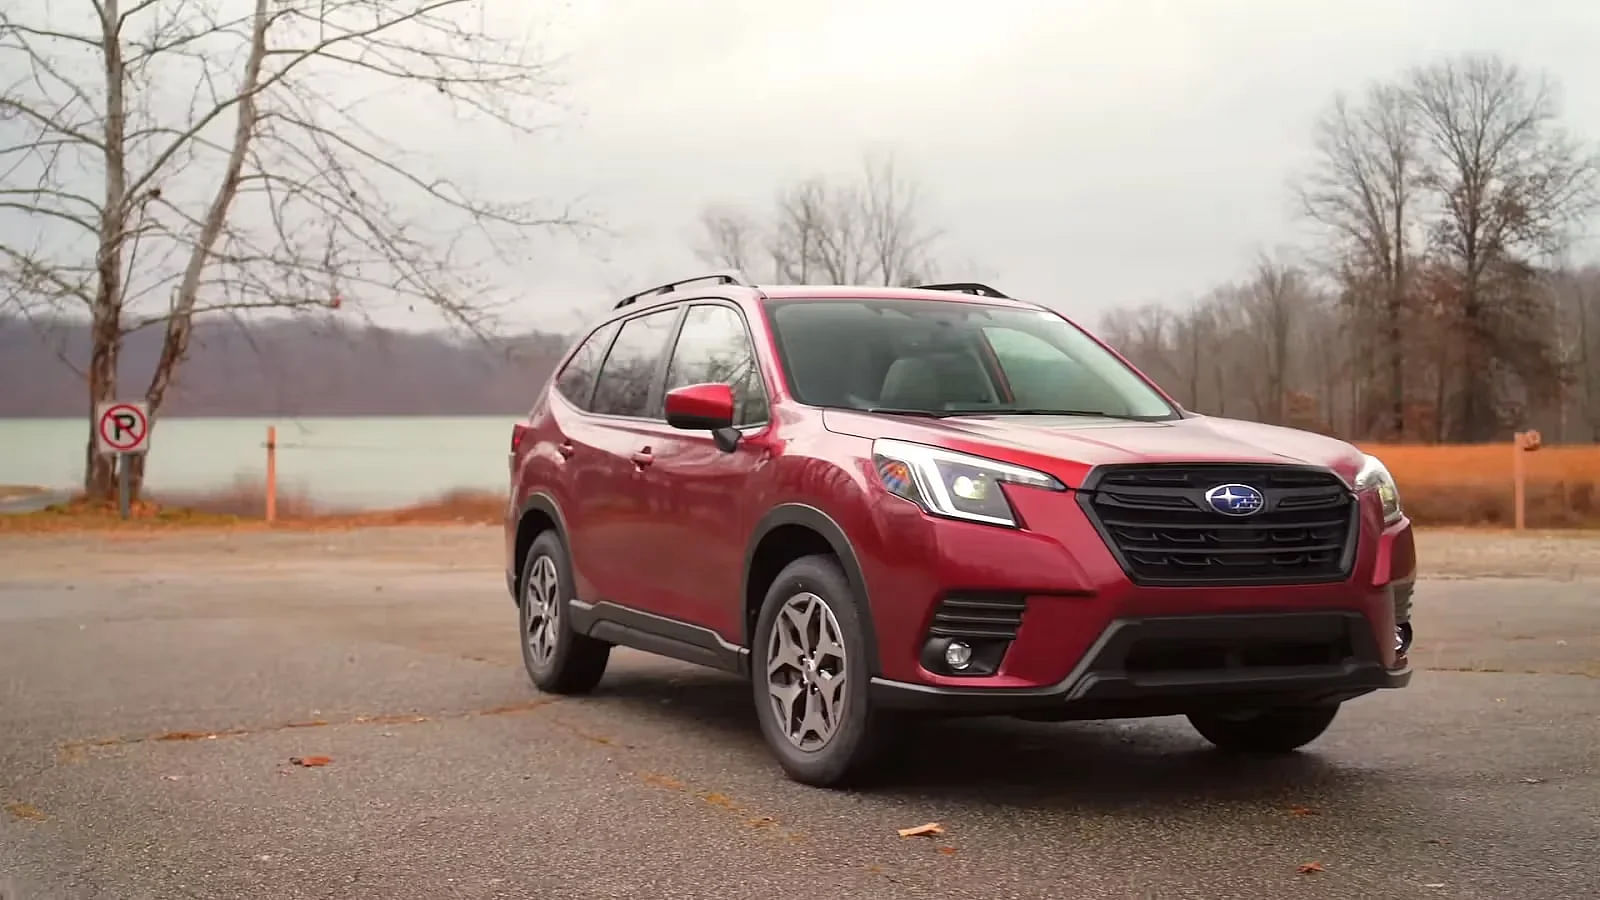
(558, 659)
(1281, 729)
(810, 677)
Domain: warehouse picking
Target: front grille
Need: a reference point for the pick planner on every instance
(1157, 656)
(1158, 524)
(978, 617)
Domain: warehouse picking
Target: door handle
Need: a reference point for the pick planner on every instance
(642, 458)
(567, 449)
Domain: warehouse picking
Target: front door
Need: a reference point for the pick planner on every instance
(702, 496)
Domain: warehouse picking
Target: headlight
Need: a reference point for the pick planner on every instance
(1374, 477)
(957, 485)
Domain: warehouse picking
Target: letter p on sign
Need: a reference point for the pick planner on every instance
(122, 427)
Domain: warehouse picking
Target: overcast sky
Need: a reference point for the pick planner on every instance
(1085, 154)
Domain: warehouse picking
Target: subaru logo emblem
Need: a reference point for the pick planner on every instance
(1235, 499)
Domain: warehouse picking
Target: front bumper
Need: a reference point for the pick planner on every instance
(1167, 665)
(1083, 647)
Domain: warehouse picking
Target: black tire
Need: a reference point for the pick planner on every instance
(857, 740)
(1282, 729)
(574, 662)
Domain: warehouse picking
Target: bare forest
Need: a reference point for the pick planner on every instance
(1438, 304)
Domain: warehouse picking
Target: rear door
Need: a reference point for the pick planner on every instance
(617, 438)
(575, 466)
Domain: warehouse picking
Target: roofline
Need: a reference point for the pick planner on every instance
(868, 292)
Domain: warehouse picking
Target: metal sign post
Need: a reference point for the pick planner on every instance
(123, 430)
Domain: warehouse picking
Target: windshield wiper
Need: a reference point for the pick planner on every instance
(895, 411)
(1040, 411)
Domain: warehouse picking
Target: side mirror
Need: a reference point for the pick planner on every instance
(700, 407)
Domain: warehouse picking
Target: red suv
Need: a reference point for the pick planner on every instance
(880, 501)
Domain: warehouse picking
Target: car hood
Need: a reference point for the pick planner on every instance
(1069, 446)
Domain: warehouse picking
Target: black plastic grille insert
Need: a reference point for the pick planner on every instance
(979, 616)
(1156, 521)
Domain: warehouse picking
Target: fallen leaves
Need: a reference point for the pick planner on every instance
(1302, 811)
(929, 830)
(310, 762)
(526, 706)
(722, 800)
(948, 851)
(663, 781)
(25, 811)
(1310, 868)
(193, 735)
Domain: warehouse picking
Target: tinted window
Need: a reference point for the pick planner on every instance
(940, 357)
(629, 372)
(576, 380)
(714, 347)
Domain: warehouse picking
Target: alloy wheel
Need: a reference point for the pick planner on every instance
(542, 610)
(806, 671)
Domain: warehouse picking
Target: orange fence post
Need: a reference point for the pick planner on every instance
(272, 473)
(1522, 442)
(1518, 486)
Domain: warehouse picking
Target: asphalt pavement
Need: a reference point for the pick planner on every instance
(154, 694)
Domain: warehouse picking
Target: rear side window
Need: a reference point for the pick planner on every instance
(576, 381)
(715, 347)
(629, 372)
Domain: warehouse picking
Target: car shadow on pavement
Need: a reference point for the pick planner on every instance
(1000, 760)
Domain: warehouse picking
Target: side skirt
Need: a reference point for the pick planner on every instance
(606, 621)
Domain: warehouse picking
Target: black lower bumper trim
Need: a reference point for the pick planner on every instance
(1168, 665)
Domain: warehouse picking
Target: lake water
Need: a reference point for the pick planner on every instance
(361, 462)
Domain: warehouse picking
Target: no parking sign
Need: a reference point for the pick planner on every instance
(122, 427)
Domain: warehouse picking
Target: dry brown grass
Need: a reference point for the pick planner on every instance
(1471, 484)
(242, 506)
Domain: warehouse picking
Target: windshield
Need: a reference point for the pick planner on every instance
(946, 358)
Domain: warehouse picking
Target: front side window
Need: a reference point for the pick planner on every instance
(624, 385)
(952, 358)
(576, 381)
(715, 347)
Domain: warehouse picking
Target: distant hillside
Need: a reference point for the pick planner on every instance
(290, 367)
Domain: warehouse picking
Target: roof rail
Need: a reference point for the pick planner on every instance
(728, 276)
(965, 287)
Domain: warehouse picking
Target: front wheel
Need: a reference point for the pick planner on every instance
(810, 677)
(1280, 729)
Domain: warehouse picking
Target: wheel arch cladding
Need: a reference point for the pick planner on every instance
(539, 514)
(785, 534)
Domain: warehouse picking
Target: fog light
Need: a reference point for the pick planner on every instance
(958, 655)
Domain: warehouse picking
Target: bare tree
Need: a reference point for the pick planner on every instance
(1363, 192)
(871, 229)
(1509, 182)
(240, 168)
(820, 233)
(1274, 302)
(897, 238)
(730, 239)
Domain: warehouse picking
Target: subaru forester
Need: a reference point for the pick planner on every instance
(877, 502)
